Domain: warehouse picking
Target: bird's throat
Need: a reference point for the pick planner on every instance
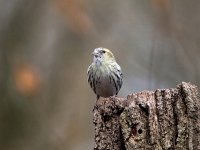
(98, 63)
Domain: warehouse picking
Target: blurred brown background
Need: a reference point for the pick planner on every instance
(45, 47)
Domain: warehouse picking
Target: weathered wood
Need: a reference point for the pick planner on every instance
(164, 119)
(108, 133)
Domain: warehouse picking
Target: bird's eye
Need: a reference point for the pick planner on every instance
(103, 51)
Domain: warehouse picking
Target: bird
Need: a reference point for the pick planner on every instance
(105, 76)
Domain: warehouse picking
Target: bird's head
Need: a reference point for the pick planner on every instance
(102, 55)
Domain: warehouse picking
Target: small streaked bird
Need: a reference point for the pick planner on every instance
(104, 74)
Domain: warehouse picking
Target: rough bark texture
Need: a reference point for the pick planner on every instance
(164, 119)
(108, 133)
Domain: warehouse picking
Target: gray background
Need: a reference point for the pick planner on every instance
(45, 49)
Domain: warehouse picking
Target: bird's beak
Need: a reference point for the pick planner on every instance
(94, 54)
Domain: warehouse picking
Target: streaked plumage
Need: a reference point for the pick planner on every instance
(104, 74)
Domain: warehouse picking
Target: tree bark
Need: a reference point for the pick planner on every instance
(164, 119)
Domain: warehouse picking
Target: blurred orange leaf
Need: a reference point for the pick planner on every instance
(76, 14)
(162, 5)
(26, 79)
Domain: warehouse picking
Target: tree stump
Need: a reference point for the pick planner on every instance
(164, 119)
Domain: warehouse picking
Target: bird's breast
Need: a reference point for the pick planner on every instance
(104, 84)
